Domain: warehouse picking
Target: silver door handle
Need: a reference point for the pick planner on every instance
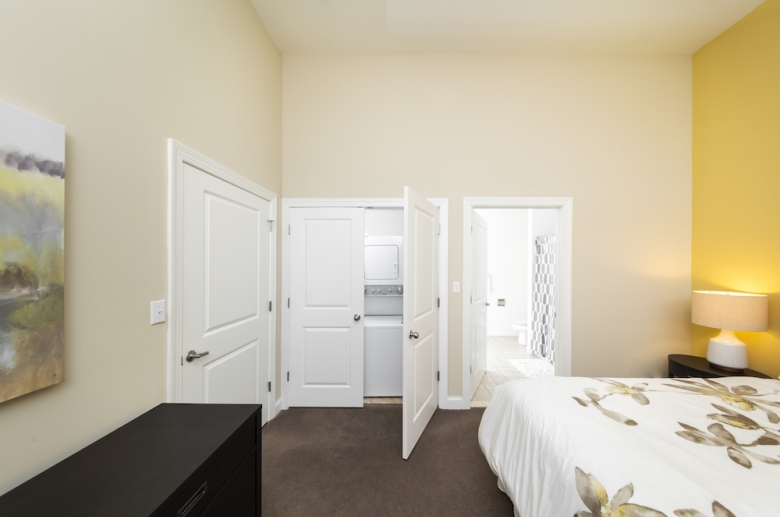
(413, 334)
(357, 317)
(487, 303)
(192, 355)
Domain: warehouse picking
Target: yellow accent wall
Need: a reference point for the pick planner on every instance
(736, 173)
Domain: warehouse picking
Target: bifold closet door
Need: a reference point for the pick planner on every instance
(225, 291)
(326, 307)
(478, 291)
(420, 316)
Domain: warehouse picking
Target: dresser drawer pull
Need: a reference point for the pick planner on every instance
(193, 500)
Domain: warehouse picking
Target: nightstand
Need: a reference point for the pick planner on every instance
(691, 366)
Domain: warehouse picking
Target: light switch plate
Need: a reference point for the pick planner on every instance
(455, 287)
(158, 312)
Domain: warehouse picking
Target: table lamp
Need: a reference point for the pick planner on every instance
(729, 311)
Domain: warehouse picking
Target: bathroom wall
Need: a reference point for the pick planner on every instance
(507, 268)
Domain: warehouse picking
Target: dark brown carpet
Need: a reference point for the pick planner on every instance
(347, 462)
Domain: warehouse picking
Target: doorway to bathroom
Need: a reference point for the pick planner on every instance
(506, 238)
(517, 291)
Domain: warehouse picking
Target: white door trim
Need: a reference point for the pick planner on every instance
(563, 333)
(178, 156)
(442, 203)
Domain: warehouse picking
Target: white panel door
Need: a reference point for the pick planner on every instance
(225, 279)
(326, 307)
(420, 349)
(479, 300)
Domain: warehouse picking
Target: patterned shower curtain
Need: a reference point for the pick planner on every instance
(543, 299)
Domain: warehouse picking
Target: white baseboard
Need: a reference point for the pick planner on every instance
(452, 403)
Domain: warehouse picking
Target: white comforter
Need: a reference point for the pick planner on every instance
(686, 447)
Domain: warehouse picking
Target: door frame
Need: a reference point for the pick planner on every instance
(563, 300)
(288, 203)
(178, 156)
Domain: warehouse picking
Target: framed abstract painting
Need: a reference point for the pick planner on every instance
(32, 247)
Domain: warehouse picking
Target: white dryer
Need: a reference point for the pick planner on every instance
(383, 356)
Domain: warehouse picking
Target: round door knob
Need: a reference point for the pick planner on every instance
(400, 290)
(357, 317)
(413, 335)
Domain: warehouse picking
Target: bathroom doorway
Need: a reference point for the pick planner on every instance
(516, 292)
(513, 265)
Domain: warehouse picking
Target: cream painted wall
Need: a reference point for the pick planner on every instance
(123, 77)
(612, 132)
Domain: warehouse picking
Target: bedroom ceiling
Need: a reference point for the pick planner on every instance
(498, 26)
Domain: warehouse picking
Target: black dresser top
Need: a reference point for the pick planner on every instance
(155, 453)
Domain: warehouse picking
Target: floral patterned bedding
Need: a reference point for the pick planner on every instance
(636, 447)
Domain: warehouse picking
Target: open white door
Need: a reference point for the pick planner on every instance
(326, 307)
(225, 292)
(478, 291)
(420, 390)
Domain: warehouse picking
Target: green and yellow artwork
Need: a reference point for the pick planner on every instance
(32, 245)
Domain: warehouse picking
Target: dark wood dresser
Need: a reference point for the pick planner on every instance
(177, 460)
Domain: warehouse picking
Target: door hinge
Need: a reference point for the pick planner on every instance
(471, 300)
(288, 229)
(182, 360)
(271, 225)
(472, 229)
(438, 229)
(288, 376)
(269, 386)
(469, 370)
(438, 302)
(270, 306)
(438, 376)
(288, 303)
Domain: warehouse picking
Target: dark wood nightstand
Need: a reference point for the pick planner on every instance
(691, 366)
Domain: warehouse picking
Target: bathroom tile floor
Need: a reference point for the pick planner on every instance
(500, 352)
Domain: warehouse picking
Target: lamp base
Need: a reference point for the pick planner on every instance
(727, 352)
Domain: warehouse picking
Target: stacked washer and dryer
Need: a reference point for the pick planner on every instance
(383, 342)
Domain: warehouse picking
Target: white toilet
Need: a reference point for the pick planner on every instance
(522, 327)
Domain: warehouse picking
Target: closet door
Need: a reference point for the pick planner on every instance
(326, 307)
(420, 349)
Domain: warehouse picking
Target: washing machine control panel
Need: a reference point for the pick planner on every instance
(384, 290)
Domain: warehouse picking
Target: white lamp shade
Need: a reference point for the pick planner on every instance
(743, 312)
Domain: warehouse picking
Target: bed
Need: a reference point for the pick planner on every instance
(636, 447)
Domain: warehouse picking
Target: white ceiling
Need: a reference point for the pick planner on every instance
(498, 26)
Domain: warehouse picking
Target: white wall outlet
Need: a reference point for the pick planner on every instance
(158, 312)
(455, 287)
